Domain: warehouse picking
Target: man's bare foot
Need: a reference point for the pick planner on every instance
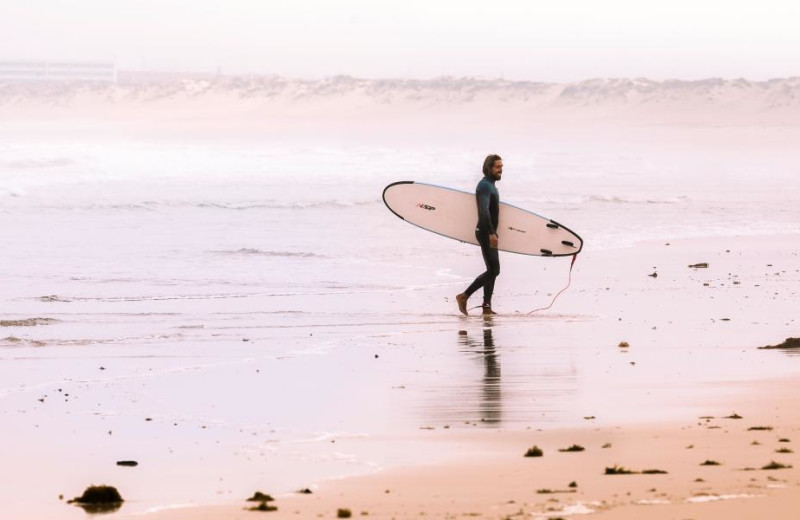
(462, 303)
(487, 310)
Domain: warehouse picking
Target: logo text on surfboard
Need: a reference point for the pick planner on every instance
(425, 206)
(516, 229)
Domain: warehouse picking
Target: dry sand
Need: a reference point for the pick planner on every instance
(494, 480)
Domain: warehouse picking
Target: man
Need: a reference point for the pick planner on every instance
(488, 199)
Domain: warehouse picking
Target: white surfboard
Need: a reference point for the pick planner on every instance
(454, 214)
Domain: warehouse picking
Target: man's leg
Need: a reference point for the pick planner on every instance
(491, 257)
(462, 298)
(492, 262)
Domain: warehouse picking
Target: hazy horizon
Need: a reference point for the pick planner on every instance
(312, 39)
(178, 73)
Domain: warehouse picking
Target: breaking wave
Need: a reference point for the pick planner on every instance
(572, 200)
(247, 251)
(230, 206)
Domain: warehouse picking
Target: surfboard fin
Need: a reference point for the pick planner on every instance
(546, 252)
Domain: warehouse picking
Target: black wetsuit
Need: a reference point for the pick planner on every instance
(488, 199)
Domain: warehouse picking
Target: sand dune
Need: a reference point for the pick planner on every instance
(151, 96)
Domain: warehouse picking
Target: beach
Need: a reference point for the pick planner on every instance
(217, 292)
(498, 482)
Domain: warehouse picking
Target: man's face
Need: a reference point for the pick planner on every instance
(497, 169)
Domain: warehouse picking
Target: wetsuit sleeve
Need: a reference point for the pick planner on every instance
(484, 197)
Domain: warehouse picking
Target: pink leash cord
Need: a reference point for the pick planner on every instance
(569, 281)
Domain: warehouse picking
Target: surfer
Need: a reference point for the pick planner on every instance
(488, 201)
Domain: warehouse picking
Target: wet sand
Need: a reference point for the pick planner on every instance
(678, 415)
(436, 408)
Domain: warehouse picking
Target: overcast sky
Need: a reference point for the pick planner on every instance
(555, 40)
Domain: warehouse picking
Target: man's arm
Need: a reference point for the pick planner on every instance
(484, 215)
(484, 196)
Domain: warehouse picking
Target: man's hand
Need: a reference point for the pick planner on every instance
(493, 241)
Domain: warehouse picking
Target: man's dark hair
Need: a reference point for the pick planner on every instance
(488, 163)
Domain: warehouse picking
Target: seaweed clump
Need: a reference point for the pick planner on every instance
(265, 499)
(776, 465)
(547, 491)
(258, 496)
(789, 343)
(99, 499)
(263, 506)
(534, 452)
(573, 448)
(618, 470)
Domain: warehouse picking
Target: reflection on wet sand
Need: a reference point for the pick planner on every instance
(491, 404)
(100, 509)
(463, 386)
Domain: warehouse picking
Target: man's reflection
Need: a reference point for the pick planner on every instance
(491, 398)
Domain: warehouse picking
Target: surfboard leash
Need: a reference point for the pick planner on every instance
(569, 281)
